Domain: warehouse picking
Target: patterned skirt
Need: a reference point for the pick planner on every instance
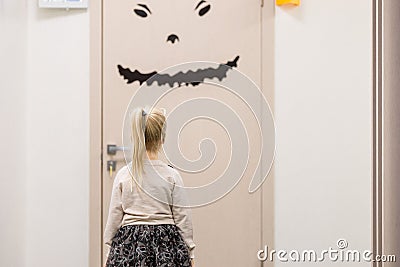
(148, 246)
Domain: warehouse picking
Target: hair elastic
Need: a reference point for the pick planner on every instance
(144, 113)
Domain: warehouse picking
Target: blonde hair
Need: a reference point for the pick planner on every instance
(148, 134)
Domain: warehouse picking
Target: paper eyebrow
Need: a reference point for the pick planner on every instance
(145, 7)
(199, 4)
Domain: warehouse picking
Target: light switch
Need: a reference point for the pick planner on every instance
(63, 3)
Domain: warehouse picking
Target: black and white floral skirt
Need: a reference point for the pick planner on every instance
(148, 246)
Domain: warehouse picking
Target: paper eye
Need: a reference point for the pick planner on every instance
(202, 7)
(142, 10)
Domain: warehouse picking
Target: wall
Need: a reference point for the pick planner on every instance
(323, 112)
(44, 192)
(13, 26)
(391, 129)
(57, 137)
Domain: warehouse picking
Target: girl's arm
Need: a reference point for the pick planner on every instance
(182, 216)
(115, 213)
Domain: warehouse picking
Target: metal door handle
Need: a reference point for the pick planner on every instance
(113, 149)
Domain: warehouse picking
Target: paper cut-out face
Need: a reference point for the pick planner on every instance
(182, 39)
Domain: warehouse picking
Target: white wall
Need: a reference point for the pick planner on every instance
(323, 108)
(57, 137)
(13, 132)
(44, 191)
(391, 125)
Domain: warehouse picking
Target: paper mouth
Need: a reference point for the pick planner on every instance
(191, 77)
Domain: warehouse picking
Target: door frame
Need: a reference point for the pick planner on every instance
(385, 211)
(377, 149)
(267, 10)
(96, 121)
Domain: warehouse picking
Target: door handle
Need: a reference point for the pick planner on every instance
(113, 149)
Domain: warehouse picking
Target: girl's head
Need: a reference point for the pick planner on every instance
(148, 135)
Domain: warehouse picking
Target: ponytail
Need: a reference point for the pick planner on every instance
(148, 134)
(138, 142)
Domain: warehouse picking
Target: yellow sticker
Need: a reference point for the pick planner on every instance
(288, 2)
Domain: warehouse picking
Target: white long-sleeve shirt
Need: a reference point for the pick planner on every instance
(153, 204)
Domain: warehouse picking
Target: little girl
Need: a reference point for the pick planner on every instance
(141, 230)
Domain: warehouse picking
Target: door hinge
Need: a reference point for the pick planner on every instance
(262, 3)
